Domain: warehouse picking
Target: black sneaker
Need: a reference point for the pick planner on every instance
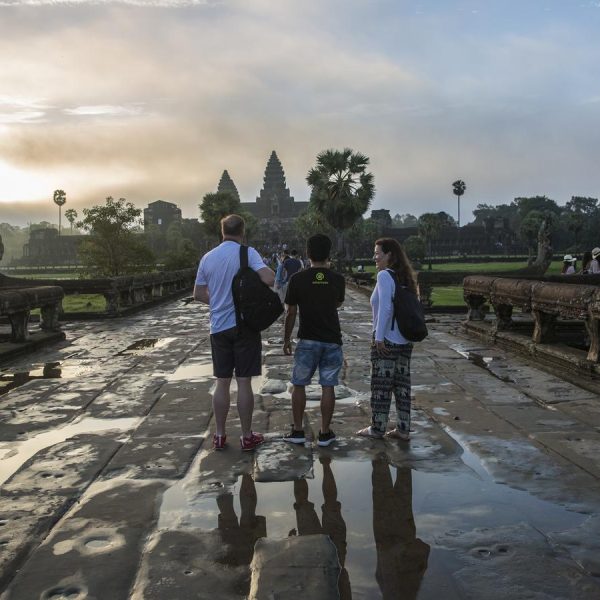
(326, 438)
(295, 436)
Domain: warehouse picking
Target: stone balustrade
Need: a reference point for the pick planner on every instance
(17, 304)
(547, 301)
(122, 294)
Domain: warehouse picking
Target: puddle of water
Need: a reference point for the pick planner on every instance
(51, 370)
(15, 454)
(371, 510)
(144, 345)
(192, 372)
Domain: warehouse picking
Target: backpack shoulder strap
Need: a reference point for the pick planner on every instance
(396, 283)
(243, 256)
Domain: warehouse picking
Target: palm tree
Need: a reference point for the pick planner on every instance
(71, 215)
(459, 188)
(59, 199)
(342, 189)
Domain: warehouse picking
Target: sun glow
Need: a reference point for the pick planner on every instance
(19, 185)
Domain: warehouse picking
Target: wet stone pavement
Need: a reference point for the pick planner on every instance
(110, 488)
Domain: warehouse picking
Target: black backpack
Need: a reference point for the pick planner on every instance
(256, 305)
(408, 312)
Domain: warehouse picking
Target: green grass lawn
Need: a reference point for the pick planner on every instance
(81, 303)
(84, 303)
(449, 295)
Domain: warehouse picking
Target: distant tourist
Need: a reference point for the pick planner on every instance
(585, 262)
(280, 275)
(317, 292)
(292, 264)
(390, 351)
(569, 265)
(233, 349)
(595, 263)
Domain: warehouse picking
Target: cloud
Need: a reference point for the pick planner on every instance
(136, 3)
(113, 99)
(105, 110)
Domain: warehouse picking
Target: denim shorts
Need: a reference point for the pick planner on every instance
(311, 354)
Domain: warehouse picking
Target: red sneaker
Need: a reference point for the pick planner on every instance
(219, 442)
(250, 443)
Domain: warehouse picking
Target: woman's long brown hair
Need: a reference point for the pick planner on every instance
(399, 262)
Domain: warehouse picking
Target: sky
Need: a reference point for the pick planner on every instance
(151, 100)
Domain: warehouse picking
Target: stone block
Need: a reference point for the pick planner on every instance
(295, 567)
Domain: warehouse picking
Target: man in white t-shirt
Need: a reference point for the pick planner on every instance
(233, 349)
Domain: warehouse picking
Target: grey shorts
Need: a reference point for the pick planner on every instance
(240, 352)
(310, 355)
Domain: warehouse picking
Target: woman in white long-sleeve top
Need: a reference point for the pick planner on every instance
(390, 351)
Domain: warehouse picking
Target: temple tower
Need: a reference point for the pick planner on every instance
(274, 199)
(227, 186)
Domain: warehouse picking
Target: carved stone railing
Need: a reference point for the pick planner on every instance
(17, 304)
(545, 300)
(122, 294)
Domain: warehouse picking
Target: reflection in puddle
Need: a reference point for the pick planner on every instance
(14, 454)
(384, 520)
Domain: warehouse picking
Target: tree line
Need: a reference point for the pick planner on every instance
(341, 191)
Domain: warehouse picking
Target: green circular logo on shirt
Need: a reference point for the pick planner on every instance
(320, 276)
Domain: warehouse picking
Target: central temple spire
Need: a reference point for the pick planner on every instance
(274, 198)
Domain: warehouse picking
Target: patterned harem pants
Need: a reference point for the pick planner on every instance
(390, 374)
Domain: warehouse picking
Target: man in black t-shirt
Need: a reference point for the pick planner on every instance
(317, 292)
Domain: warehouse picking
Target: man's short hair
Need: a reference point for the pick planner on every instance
(318, 247)
(294, 252)
(233, 225)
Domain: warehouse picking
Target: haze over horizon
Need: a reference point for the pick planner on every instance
(153, 99)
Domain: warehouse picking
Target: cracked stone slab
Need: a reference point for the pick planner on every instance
(300, 566)
(515, 562)
(28, 414)
(64, 469)
(173, 424)
(583, 544)
(193, 564)
(536, 419)
(520, 464)
(546, 388)
(121, 404)
(464, 411)
(579, 447)
(588, 411)
(277, 460)
(96, 551)
(154, 458)
(20, 533)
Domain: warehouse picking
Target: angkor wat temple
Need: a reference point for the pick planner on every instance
(275, 208)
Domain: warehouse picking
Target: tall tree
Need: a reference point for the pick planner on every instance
(71, 215)
(539, 203)
(458, 189)
(577, 215)
(214, 207)
(113, 247)
(430, 225)
(60, 199)
(342, 189)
